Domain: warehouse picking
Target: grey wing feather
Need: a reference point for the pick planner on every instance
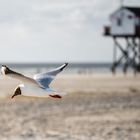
(44, 79)
(6, 71)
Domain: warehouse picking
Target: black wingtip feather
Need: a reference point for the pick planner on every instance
(64, 66)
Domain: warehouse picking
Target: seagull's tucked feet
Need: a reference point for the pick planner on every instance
(55, 96)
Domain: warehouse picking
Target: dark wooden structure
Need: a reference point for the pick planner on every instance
(126, 50)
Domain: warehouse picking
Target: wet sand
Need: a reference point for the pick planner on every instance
(97, 107)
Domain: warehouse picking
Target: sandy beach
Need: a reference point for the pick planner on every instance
(96, 107)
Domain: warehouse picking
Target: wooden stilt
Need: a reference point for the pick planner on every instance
(129, 55)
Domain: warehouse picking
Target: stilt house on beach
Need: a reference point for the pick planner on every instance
(125, 24)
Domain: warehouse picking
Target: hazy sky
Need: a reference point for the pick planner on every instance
(56, 30)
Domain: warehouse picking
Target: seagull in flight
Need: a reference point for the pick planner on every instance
(38, 86)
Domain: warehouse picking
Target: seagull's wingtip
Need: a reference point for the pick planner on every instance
(12, 97)
(66, 64)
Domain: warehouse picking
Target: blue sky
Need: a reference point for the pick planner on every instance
(56, 30)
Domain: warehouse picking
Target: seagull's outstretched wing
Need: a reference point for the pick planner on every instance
(10, 73)
(44, 79)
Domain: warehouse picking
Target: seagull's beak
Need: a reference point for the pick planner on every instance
(17, 92)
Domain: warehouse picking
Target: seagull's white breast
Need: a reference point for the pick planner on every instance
(34, 91)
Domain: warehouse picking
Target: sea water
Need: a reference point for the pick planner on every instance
(72, 68)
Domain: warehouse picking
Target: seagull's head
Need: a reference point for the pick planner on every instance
(4, 70)
(17, 92)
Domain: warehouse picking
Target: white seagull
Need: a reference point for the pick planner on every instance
(38, 86)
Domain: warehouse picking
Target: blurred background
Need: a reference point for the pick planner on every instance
(56, 31)
(39, 35)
